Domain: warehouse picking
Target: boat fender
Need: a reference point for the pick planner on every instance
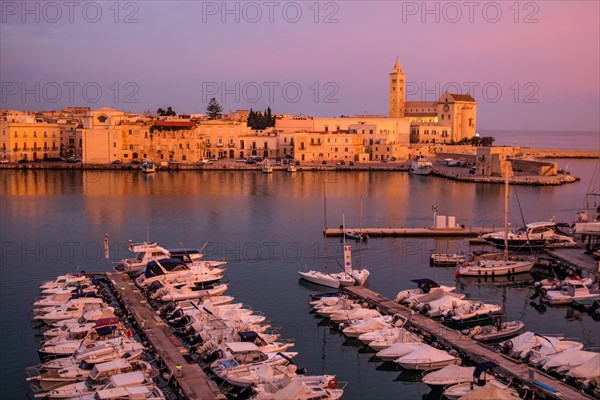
(333, 384)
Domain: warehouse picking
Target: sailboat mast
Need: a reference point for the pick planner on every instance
(360, 236)
(325, 227)
(506, 210)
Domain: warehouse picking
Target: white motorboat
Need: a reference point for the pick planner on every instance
(188, 292)
(79, 372)
(398, 350)
(71, 313)
(353, 314)
(440, 307)
(61, 347)
(534, 235)
(173, 270)
(64, 280)
(500, 330)
(491, 390)
(472, 311)
(257, 374)
(135, 391)
(76, 328)
(101, 376)
(573, 290)
(58, 299)
(425, 358)
(449, 375)
(150, 251)
(321, 278)
(552, 346)
(424, 286)
(342, 305)
(421, 166)
(148, 167)
(71, 304)
(291, 167)
(395, 336)
(267, 168)
(587, 371)
(301, 387)
(367, 325)
(565, 361)
(99, 353)
(519, 346)
(246, 355)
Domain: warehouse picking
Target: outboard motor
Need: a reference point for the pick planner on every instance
(167, 308)
(539, 292)
(194, 339)
(213, 356)
(506, 347)
(178, 313)
(154, 286)
(178, 323)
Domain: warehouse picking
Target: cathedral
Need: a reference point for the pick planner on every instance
(449, 119)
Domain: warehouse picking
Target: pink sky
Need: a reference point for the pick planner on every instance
(546, 63)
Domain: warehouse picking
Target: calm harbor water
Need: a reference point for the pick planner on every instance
(268, 227)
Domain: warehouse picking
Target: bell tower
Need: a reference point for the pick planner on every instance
(397, 91)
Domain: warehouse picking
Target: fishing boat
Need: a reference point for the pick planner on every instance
(421, 166)
(267, 168)
(148, 167)
(291, 167)
(504, 266)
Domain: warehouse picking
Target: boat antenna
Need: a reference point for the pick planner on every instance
(147, 233)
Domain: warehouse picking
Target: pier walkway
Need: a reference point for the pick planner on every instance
(576, 258)
(472, 349)
(414, 232)
(191, 379)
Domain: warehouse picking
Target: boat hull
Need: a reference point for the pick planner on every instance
(320, 279)
(508, 269)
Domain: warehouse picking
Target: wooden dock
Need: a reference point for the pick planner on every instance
(576, 258)
(472, 349)
(414, 232)
(191, 379)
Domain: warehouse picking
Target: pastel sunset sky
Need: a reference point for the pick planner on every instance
(530, 65)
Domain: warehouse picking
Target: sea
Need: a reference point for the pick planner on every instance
(268, 227)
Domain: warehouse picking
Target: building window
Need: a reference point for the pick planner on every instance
(130, 132)
(130, 147)
(115, 144)
(442, 116)
(326, 129)
(45, 135)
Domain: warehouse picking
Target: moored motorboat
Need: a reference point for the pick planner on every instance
(446, 260)
(449, 375)
(421, 166)
(425, 358)
(497, 331)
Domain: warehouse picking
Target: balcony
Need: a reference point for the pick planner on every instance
(231, 144)
(219, 144)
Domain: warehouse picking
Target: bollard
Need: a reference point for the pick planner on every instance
(178, 370)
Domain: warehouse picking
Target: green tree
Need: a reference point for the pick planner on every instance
(487, 141)
(214, 110)
(160, 112)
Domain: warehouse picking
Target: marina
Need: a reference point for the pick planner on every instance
(262, 203)
(189, 377)
(450, 338)
(414, 232)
